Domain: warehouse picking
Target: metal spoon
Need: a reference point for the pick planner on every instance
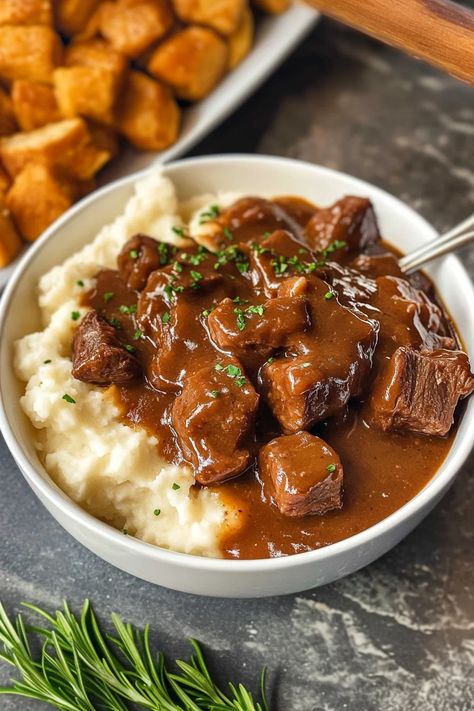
(457, 237)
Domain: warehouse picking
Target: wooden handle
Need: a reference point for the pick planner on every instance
(439, 31)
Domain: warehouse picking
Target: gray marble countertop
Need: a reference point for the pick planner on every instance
(400, 633)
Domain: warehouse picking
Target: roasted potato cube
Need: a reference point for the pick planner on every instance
(84, 91)
(224, 16)
(148, 114)
(5, 181)
(34, 104)
(73, 15)
(95, 53)
(240, 42)
(274, 7)
(10, 241)
(7, 115)
(65, 145)
(191, 62)
(29, 53)
(36, 199)
(131, 26)
(26, 12)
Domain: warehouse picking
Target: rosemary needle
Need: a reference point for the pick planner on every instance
(81, 669)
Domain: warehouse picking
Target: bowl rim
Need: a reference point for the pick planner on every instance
(60, 501)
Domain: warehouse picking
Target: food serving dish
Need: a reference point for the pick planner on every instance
(275, 37)
(260, 175)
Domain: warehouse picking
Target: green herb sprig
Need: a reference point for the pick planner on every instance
(81, 669)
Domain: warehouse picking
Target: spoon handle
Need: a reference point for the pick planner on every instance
(436, 248)
(438, 31)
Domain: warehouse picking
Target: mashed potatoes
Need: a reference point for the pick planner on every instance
(111, 470)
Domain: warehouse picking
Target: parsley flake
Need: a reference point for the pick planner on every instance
(210, 214)
(178, 230)
(79, 282)
(165, 317)
(133, 253)
(107, 296)
(175, 486)
(124, 309)
(215, 393)
(331, 468)
(129, 348)
(138, 334)
(156, 512)
(47, 361)
(75, 315)
(69, 399)
(328, 295)
(228, 233)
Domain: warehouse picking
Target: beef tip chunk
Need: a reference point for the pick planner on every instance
(324, 366)
(408, 317)
(418, 391)
(214, 419)
(139, 257)
(377, 265)
(244, 328)
(351, 220)
(305, 473)
(97, 355)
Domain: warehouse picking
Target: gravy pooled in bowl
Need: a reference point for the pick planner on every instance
(284, 358)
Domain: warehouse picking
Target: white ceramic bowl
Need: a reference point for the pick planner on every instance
(228, 578)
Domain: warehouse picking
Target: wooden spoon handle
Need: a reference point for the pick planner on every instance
(439, 31)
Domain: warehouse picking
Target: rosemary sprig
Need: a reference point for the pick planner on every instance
(81, 669)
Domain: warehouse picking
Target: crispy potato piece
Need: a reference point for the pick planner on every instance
(29, 53)
(148, 114)
(26, 12)
(10, 241)
(34, 104)
(36, 199)
(240, 42)
(5, 181)
(72, 16)
(7, 115)
(191, 62)
(84, 91)
(95, 53)
(224, 16)
(65, 145)
(274, 7)
(131, 26)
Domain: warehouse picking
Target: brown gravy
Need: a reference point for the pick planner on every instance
(382, 471)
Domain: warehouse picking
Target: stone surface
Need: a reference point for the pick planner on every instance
(399, 634)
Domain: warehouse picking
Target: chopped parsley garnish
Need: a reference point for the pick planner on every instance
(258, 248)
(107, 296)
(329, 295)
(269, 360)
(240, 319)
(233, 372)
(125, 532)
(267, 233)
(210, 214)
(173, 288)
(206, 312)
(124, 309)
(47, 361)
(129, 348)
(215, 393)
(156, 512)
(177, 267)
(239, 300)
(242, 267)
(79, 282)
(163, 251)
(331, 468)
(138, 334)
(165, 317)
(115, 322)
(197, 276)
(175, 486)
(134, 254)
(178, 230)
(259, 309)
(69, 399)
(302, 251)
(280, 265)
(197, 259)
(75, 315)
(228, 233)
(337, 244)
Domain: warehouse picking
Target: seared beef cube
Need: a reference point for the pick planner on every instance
(351, 220)
(324, 367)
(214, 419)
(377, 265)
(269, 264)
(97, 355)
(139, 257)
(305, 473)
(260, 328)
(409, 318)
(418, 391)
(170, 315)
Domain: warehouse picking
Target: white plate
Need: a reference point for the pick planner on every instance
(275, 38)
(19, 315)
